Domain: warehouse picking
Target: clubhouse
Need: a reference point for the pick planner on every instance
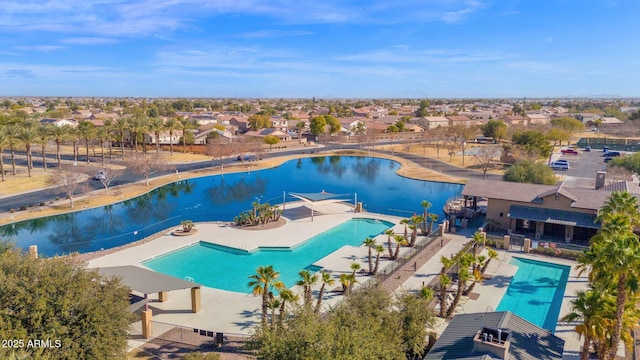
(545, 212)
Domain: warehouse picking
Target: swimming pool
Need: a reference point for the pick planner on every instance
(535, 293)
(226, 268)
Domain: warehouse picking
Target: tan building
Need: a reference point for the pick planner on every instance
(553, 212)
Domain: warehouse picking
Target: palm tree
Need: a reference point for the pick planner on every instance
(121, 126)
(4, 142)
(444, 284)
(28, 135)
(102, 134)
(425, 213)
(400, 240)
(273, 305)
(491, 254)
(614, 259)
(433, 218)
(347, 281)
(414, 223)
(286, 296)
(109, 128)
(44, 133)
(186, 125)
(426, 293)
(74, 136)
(326, 280)
(476, 277)
(171, 125)
(354, 268)
(477, 239)
(86, 131)
(389, 233)
(307, 280)
(262, 281)
(370, 243)
(156, 126)
(405, 222)
(620, 202)
(463, 277)
(12, 132)
(137, 126)
(591, 309)
(379, 251)
(59, 134)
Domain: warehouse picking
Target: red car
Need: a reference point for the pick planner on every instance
(569, 151)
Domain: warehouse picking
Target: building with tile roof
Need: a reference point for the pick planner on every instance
(550, 211)
(495, 335)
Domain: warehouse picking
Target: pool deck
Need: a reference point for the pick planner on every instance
(490, 291)
(237, 313)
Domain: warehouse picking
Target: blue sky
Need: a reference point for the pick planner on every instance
(328, 48)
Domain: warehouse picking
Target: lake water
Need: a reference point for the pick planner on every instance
(221, 197)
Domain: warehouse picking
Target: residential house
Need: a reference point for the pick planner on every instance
(432, 122)
(460, 120)
(608, 121)
(279, 123)
(204, 119)
(283, 136)
(515, 120)
(414, 128)
(495, 335)
(389, 119)
(538, 119)
(81, 114)
(240, 123)
(165, 138)
(300, 116)
(586, 118)
(59, 122)
(204, 132)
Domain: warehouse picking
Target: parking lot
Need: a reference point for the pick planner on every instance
(582, 167)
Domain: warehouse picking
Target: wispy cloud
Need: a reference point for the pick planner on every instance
(43, 48)
(273, 34)
(114, 18)
(406, 55)
(89, 41)
(17, 73)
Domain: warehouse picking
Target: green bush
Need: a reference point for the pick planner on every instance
(201, 356)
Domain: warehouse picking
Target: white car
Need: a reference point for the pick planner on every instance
(100, 175)
(559, 165)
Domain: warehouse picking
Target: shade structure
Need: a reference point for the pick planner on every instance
(319, 198)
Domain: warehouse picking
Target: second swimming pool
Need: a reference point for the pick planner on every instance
(226, 268)
(536, 291)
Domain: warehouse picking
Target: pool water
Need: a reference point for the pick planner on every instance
(226, 268)
(536, 291)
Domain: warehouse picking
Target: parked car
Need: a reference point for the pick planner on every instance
(100, 174)
(587, 148)
(559, 165)
(569, 151)
(611, 153)
(605, 149)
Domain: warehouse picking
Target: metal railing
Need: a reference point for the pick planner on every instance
(192, 339)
